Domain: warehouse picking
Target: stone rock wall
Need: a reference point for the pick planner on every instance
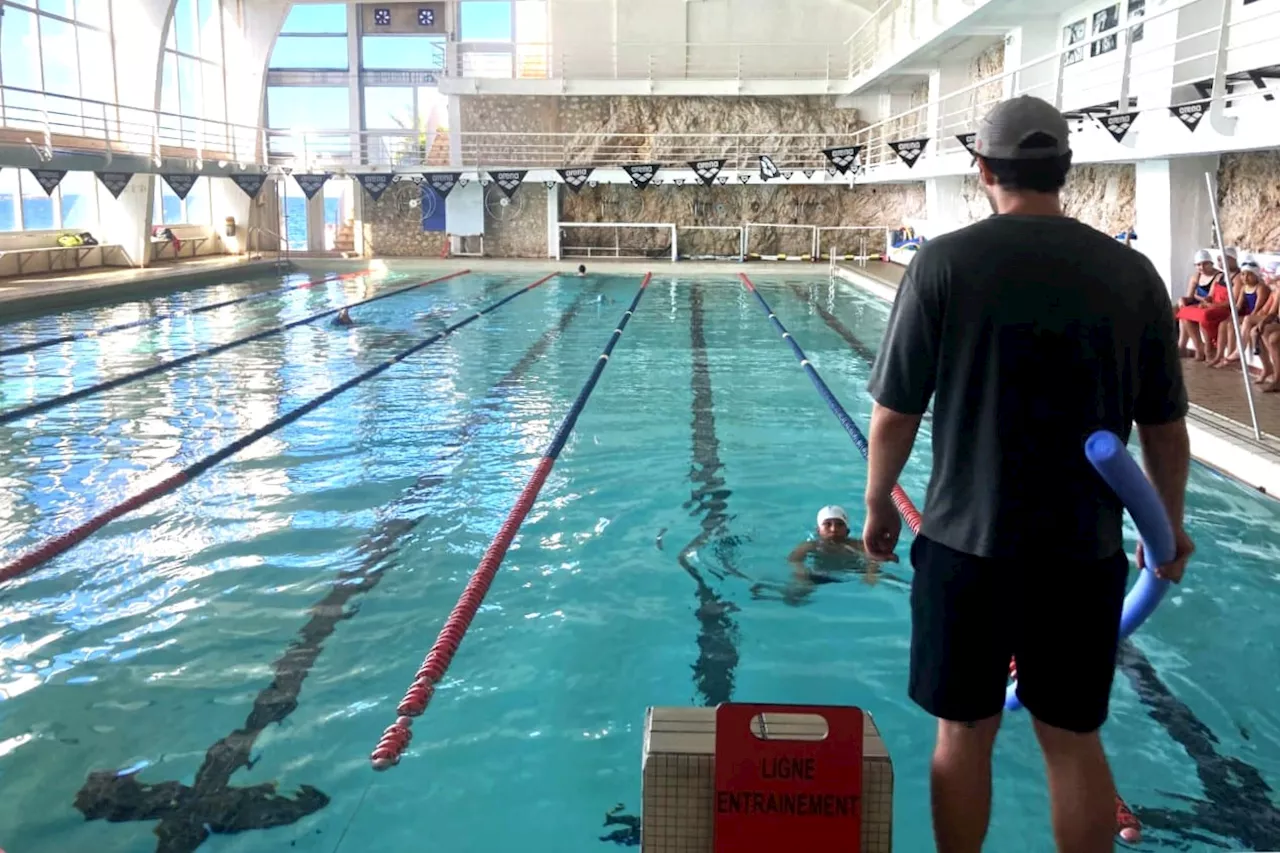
(611, 129)
(1249, 200)
(393, 227)
(880, 205)
(519, 230)
(986, 64)
(1100, 195)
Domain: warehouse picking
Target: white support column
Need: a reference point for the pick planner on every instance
(127, 220)
(945, 209)
(947, 116)
(553, 222)
(315, 223)
(1172, 213)
(1026, 44)
(355, 95)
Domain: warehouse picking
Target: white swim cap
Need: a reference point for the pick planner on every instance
(1248, 263)
(1204, 257)
(833, 511)
(1231, 252)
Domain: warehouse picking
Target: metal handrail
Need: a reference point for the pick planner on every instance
(282, 245)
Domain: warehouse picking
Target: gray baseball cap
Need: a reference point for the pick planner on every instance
(1011, 123)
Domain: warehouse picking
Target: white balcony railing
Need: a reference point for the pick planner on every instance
(1162, 70)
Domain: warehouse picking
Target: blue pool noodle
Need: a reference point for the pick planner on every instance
(1112, 461)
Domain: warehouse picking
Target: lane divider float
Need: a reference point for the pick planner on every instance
(1127, 824)
(395, 738)
(109, 384)
(185, 312)
(66, 541)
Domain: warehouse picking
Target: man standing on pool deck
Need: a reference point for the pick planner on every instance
(1031, 331)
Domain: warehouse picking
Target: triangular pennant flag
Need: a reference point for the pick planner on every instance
(48, 179)
(1189, 114)
(443, 182)
(678, 182)
(722, 179)
(833, 169)
(311, 184)
(768, 170)
(745, 177)
(374, 185)
(180, 184)
(808, 173)
(484, 182)
(641, 174)
(115, 182)
(655, 182)
(786, 176)
(509, 181)
(1118, 124)
(251, 184)
(593, 184)
(462, 182)
(576, 177)
(842, 158)
(551, 184)
(706, 170)
(909, 150)
(968, 140)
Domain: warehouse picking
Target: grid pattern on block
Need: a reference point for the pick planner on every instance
(679, 781)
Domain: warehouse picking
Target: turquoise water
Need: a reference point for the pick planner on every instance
(696, 466)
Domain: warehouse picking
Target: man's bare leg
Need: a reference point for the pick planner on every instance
(1081, 791)
(961, 783)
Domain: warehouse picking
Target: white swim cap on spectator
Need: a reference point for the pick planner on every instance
(1204, 257)
(1231, 252)
(1248, 263)
(830, 512)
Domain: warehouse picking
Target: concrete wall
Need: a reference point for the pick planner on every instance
(1102, 196)
(598, 38)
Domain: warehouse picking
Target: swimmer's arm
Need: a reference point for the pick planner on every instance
(797, 556)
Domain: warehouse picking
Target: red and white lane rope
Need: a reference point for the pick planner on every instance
(395, 738)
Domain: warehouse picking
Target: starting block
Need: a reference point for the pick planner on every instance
(748, 778)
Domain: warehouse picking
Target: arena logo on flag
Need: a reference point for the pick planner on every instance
(576, 177)
(641, 174)
(180, 184)
(311, 184)
(909, 150)
(443, 182)
(842, 158)
(250, 183)
(1189, 114)
(1118, 124)
(509, 181)
(115, 182)
(374, 185)
(706, 170)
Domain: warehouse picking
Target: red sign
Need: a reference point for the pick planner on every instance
(775, 793)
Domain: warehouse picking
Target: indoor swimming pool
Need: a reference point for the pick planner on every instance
(212, 671)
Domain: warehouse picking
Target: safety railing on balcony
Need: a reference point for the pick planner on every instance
(46, 122)
(1193, 60)
(896, 25)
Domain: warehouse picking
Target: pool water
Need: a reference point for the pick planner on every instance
(698, 463)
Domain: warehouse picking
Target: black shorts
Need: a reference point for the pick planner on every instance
(970, 615)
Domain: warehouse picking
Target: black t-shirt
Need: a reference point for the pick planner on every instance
(1030, 333)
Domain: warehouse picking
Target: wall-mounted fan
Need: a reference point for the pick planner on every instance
(499, 208)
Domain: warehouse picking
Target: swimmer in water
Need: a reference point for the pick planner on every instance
(826, 559)
(344, 319)
(582, 270)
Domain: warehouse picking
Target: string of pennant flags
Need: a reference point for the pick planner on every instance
(840, 161)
